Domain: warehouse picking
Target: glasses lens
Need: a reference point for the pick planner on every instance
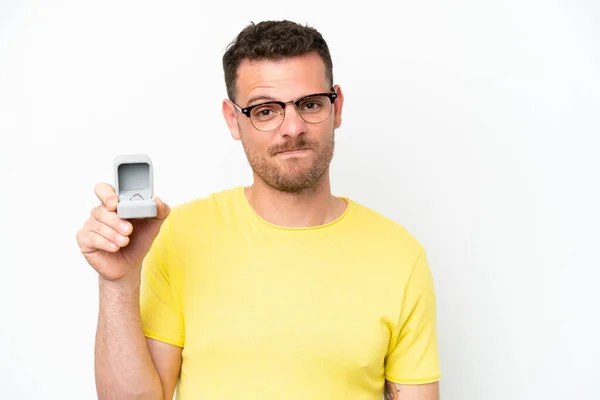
(266, 117)
(315, 109)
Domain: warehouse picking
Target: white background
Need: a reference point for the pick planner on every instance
(473, 123)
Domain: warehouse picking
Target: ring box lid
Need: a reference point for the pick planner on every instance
(133, 177)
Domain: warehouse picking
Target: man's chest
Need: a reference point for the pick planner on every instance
(305, 311)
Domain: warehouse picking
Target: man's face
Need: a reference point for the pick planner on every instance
(295, 156)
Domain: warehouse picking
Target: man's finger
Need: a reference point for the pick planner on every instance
(107, 195)
(162, 209)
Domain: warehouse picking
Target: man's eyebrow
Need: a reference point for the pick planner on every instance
(259, 98)
(265, 98)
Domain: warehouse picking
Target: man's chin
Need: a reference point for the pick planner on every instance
(298, 182)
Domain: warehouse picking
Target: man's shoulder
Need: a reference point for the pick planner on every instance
(375, 223)
(207, 207)
(207, 202)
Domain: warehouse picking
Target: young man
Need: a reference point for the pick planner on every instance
(279, 290)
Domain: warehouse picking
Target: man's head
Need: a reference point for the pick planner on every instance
(281, 61)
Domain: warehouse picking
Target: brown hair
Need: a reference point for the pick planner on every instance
(273, 40)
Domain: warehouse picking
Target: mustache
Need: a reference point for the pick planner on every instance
(299, 143)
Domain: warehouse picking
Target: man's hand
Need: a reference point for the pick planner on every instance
(396, 391)
(113, 246)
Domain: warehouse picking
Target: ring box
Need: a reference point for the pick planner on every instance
(134, 184)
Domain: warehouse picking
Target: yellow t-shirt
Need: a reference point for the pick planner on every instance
(267, 312)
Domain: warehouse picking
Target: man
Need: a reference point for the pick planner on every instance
(275, 291)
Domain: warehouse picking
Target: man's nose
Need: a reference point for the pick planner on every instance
(293, 125)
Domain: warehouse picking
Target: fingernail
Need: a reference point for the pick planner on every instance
(124, 228)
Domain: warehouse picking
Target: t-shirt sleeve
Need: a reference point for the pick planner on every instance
(161, 318)
(414, 358)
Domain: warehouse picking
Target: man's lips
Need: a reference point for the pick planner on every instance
(293, 151)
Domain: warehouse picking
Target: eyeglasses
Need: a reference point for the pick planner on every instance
(314, 109)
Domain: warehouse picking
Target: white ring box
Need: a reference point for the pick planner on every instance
(134, 184)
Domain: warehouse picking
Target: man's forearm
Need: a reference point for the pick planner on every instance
(396, 391)
(123, 365)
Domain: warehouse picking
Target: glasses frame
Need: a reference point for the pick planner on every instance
(246, 111)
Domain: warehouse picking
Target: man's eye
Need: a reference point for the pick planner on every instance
(264, 113)
(311, 106)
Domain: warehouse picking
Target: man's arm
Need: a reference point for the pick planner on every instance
(396, 391)
(167, 359)
(127, 364)
(413, 358)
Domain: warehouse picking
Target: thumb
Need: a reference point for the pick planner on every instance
(162, 209)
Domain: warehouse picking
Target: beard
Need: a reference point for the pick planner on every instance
(292, 176)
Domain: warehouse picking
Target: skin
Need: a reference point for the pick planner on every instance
(290, 190)
(396, 391)
(127, 364)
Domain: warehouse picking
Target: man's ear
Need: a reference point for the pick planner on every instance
(230, 115)
(337, 107)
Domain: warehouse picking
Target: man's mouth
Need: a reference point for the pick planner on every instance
(293, 151)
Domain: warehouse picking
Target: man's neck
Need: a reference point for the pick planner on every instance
(313, 207)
